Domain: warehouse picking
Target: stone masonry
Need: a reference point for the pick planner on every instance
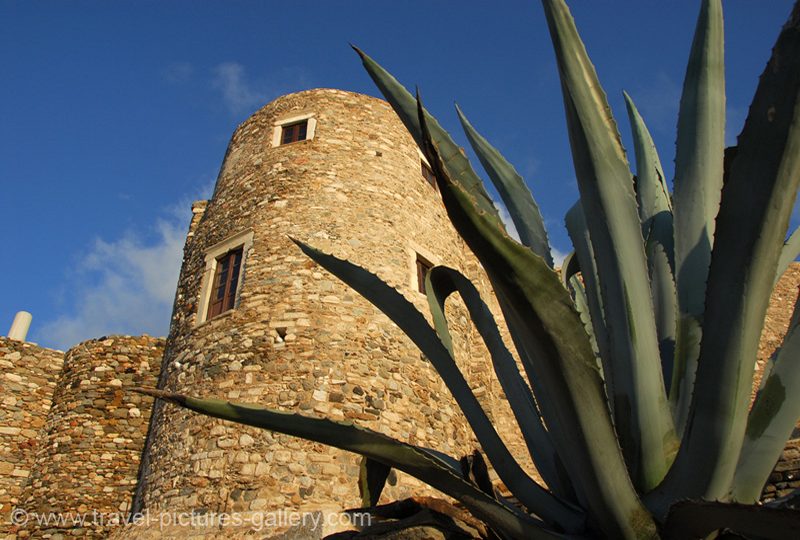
(299, 340)
(28, 377)
(89, 448)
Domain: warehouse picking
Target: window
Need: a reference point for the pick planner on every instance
(223, 276)
(423, 267)
(292, 129)
(294, 132)
(226, 280)
(427, 173)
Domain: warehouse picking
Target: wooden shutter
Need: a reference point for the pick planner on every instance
(226, 279)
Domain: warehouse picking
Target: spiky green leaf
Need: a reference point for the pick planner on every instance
(642, 416)
(405, 315)
(772, 418)
(376, 446)
(440, 283)
(655, 212)
(372, 476)
(651, 192)
(558, 357)
(698, 519)
(582, 305)
(665, 305)
(699, 160)
(584, 254)
(516, 196)
(405, 105)
(790, 251)
(757, 201)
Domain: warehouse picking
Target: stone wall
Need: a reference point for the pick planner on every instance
(91, 445)
(776, 323)
(786, 476)
(28, 375)
(298, 339)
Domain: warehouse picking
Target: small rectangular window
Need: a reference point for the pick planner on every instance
(423, 267)
(226, 279)
(427, 173)
(294, 132)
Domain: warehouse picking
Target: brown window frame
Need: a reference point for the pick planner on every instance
(226, 282)
(423, 267)
(294, 132)
(427, 174)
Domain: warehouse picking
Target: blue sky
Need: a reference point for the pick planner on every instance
(114, 116)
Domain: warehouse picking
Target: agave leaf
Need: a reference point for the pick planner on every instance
(570, 266)
(569, 278)
(582, 305)
(372, 477)
(405, 315)
(584, 253)
(757, 202)
(664, 303)
(772, 418)
(376, 446)
(474, 469)
(791, 248)
(440, 283)
(698, 519)
(516, 196)
(652, 192)
(642, 416)
(405, 105)
(558, 357)
(655, 212)
(699, 160)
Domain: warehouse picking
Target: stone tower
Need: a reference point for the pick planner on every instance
(88, 450)
(257, 321)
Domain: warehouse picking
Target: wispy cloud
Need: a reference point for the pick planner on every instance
(125, 285)
(242, 94)
(238, 93)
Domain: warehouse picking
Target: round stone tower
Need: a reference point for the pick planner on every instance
(87, 461)
(257, 321)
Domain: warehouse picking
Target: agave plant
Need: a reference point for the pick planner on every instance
(638, 357)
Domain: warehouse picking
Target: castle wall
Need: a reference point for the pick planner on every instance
(299, 340)
(28, 376)
(90, 447)
(785, 478)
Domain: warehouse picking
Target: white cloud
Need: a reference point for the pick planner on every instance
(125, 286)
(239, 94)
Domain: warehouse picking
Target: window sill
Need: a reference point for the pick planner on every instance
(215, 318)
(284, 145)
